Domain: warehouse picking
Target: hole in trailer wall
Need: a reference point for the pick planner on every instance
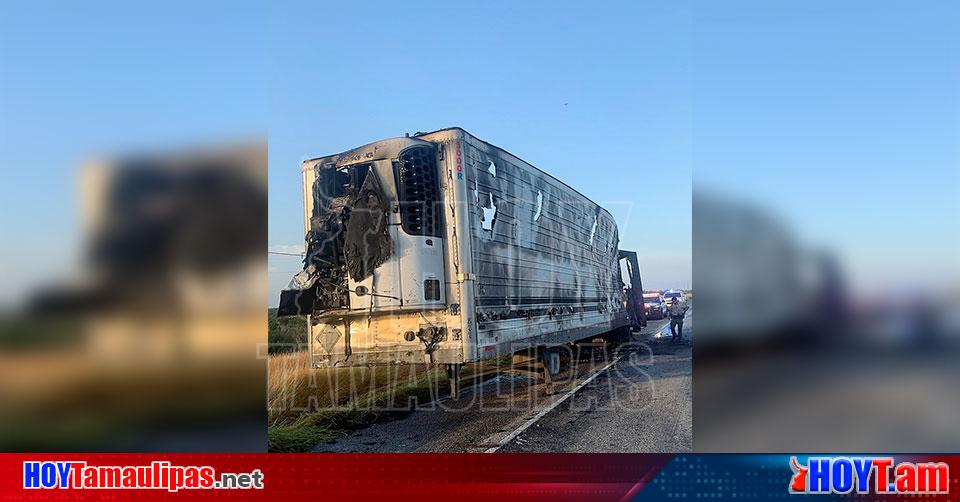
(486, 201)
(489, 208)
(593, 229)
(539, 211)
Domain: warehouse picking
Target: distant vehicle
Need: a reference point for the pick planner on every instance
(674, 295)
(654, 305)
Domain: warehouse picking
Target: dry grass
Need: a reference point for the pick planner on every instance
(307, 406)
(288, 377)
(295, 389)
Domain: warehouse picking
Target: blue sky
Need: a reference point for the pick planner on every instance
(842, 117)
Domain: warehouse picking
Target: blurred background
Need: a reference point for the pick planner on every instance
(134, 227)
(826, 248)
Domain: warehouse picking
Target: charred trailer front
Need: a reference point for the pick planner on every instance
(441, 248)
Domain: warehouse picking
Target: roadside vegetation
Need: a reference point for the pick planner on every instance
(309, 406)
(286, 334)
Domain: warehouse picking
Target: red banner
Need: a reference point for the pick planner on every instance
(291, 477)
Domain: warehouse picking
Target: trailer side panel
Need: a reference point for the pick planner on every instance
(545, 256)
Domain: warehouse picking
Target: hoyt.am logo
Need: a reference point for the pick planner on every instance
(879, 475)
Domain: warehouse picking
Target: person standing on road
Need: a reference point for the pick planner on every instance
(678, 309)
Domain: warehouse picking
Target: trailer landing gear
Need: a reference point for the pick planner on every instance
(550, 360)
(453, 374)
(540, 364)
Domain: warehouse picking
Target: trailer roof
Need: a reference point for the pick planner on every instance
(554, 178)
(419, 136)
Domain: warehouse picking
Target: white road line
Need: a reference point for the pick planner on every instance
(526, 425)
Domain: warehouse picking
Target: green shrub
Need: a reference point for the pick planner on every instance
(286, 334)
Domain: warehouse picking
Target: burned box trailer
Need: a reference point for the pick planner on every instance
(442, 248)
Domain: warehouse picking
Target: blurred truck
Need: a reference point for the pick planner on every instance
(754, 282)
